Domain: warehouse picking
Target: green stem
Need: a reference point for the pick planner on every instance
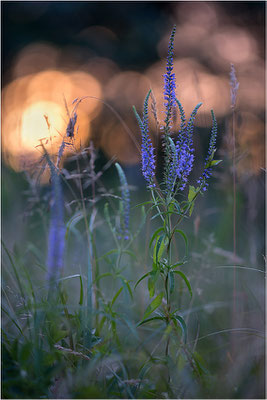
(168, 228)
(89, 269)
(156, 203)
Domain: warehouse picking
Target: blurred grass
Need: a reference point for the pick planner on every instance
(230, 353)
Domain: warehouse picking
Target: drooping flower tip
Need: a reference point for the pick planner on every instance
(71, 125)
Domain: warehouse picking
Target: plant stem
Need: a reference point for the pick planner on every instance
(89, 267)
(155, 202)
(168, 228)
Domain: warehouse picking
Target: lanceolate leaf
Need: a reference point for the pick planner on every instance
(215, 162)
(154, 305)
(116, 296)
(185, 239)
(152, 282)
(191, 208)
(151, 319)
(81, 291)
(159, 249)
(72, 222)
(142, 277)
(182, 323)
(126, 285)
(154, 235)
(185, 279)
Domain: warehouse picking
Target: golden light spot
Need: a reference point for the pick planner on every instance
(34, 125)
(27, 100)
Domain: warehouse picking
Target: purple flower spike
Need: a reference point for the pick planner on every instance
(147, 150)
(202, 181)
(169, 83)
(184, 146)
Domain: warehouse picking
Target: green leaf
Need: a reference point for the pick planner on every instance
(12, 319)
(116, 296)
(185, 239)
(142, 277)
(103, 276)
(182, 324)
(152, 282)
(177, 264)
(177, 206)
(159, 249)
(153, 305)
(154, 235)
(186, 281)
(102, 323)
(215, 162)
(150, 319)
(199, 363)
(126, 285)
(144, 203)
(191, 208)
(81, 291)
(107, 216)
(192, 193)
(72, 222)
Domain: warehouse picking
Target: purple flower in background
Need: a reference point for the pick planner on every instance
(184, 146)
(147, 150)
(234, 85)
(56, 238)
(202, 181)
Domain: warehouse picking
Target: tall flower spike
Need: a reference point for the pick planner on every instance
(173, 168)
(147, 150)
(234, 85)
(169, 84)
(184, 146)
(125, 201)
(202, 181)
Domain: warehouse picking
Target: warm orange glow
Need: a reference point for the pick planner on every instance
(34, 126)
(26, 101)
(127, 88)
(34, 58)
(234, 45)
(250, 138)
(116, 143)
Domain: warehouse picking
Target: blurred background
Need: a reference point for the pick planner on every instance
(114, 52)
